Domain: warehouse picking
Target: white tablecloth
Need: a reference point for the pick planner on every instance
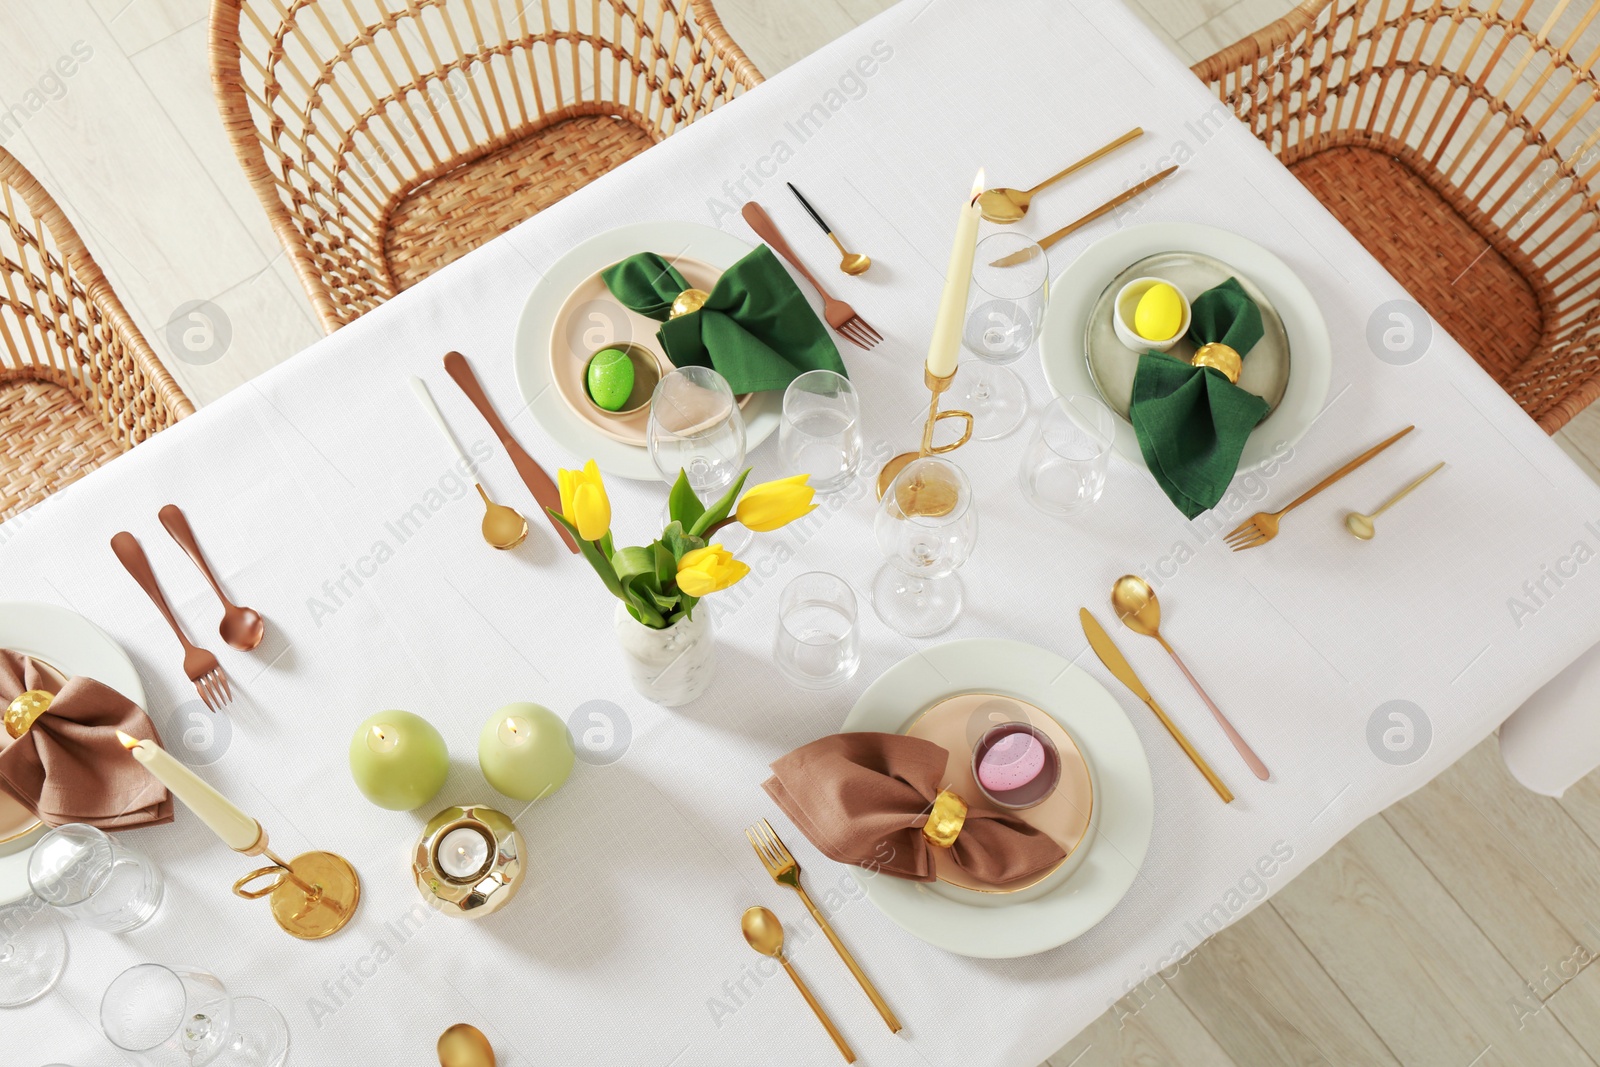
(624, 947)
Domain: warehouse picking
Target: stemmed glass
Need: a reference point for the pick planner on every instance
(171, 1016)
(1005, 306)
(33, 952)
(696, 426)
(926, 525)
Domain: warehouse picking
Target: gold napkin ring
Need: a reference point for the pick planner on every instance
(1219, 356)
(689, 300)
(25, 709)
(945, 820)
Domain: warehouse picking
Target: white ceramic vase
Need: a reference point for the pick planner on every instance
(670, 666)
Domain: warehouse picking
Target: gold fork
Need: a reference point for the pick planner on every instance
(786, 871)
(1262, 527)
(201, 666)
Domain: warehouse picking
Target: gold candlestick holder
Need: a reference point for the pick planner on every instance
(936, 386)
(315, 894)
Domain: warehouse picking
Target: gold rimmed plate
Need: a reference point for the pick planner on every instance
(1066, 815)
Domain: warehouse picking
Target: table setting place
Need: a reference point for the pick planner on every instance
(622, 617)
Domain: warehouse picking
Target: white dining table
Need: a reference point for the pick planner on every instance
(325, 499)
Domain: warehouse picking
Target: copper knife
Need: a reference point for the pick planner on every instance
(533, 476)
(1118, 665)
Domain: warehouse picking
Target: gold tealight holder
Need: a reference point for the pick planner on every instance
(936, 386)
(315, 893)
(469, 861)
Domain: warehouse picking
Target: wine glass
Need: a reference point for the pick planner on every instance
(33, 952)
(1005, 306)
(926, 525)
(181, 1016)
(696, 427)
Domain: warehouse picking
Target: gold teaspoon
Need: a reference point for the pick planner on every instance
(765, 934)
(1009, 205)
(1361, 525)
(1136, 605)
(503, 527)
(463, 1045)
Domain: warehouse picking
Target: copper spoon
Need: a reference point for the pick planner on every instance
(765, 934)
(1136, 605)
(242, 628)
(463, 1045)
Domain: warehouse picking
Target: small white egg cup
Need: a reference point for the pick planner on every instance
(1122, 315)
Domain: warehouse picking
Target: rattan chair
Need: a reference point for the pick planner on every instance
(1461, 145)
(386, 138)
(78, 383)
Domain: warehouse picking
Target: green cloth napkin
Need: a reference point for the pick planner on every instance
(757, 330)
(1192, 422)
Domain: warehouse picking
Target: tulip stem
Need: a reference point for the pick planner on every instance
(729, 521)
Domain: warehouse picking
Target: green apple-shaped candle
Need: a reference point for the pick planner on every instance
(525, 751)
(398, 760)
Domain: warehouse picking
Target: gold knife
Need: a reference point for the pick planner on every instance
(1117, 664)
(533, 476)
(1110, 205)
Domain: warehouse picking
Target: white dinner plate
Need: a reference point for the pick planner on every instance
(531, 350)
(72, 645)
(1074, 292)
(1075, 898)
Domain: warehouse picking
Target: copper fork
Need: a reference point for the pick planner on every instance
(785, 870)
(201, 666)
(841, 316)
(1262, 527)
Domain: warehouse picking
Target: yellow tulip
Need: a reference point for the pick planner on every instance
(584, 502)
(706, 570)
(768, 506)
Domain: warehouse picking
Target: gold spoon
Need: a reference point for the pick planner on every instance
(765, 934)
(503, 527)
(1009, 205)
(853, 263)
(1361, 525)
(1136, 605)
(463, 1045)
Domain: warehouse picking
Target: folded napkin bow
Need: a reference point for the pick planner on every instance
(69, 766)
(862, 798)
(1192, 422)
(756, 329)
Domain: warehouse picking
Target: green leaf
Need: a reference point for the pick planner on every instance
(667, 602)
(679, 543)
(682, 504)
(666, 565)
(643, 610)
(688, 603)
(631, 563)
(591, 552)
(719, 511)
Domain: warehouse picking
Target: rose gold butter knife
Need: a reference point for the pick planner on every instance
(533, 476)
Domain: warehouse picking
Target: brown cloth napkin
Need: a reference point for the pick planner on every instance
(70, 767)
(862, 799)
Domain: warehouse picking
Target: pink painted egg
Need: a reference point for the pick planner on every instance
(1013, 762)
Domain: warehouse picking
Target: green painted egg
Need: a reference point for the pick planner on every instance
(611, 378)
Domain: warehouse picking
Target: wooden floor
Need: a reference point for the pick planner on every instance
(1457, 928)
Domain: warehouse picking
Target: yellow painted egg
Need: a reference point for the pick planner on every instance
(1159, 313)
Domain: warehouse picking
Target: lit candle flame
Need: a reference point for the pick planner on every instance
(977, 186)
(127, 741)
